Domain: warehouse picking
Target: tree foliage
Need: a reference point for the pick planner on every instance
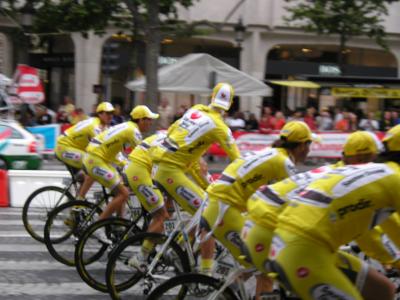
(347, 18)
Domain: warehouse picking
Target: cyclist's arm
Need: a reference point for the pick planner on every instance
(199, 172)
(227, 142)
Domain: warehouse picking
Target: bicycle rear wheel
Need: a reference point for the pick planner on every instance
(91, 254)
(192, 286)
(123, 279)
(38, 206)
(65, 225)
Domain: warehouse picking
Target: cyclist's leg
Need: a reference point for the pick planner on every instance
(309, 268)
(257, 239)
(107, 176)
(368, 281)
(139, 179)
(227, 231)
(73, 157)
(176, 184)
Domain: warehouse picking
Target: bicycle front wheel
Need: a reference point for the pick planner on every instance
(91, 253)
(192, 286)
(124, 281)
(38, 206)
(65, 225)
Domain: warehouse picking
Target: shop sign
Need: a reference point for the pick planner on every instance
(365, 92)
(331, 70)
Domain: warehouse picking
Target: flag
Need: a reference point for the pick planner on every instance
(26, 86)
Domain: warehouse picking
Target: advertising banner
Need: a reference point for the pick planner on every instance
(26, 86)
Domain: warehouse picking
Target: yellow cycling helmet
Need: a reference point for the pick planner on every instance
(296, 132)
(392, 139)
(222, 96)
(360, 142)
(105, 106)
(141, 112)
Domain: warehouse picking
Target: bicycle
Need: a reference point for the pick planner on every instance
(66, 223)
(91, 254)
(42, 201)
(166, 259)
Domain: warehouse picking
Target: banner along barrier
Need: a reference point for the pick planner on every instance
(330, 146)
(49, 134)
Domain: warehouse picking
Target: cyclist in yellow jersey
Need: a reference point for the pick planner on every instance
(330, 212)
(266, 204)
(103, 151)
(187, 140)
(138, 174)
(71, 145)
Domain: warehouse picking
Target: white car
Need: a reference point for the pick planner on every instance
(19, 149)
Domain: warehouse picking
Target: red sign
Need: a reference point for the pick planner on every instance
(26, 86)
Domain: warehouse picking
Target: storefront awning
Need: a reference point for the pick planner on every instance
(296, 83)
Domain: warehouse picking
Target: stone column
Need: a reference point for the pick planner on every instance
(87, 68)
(253, 62)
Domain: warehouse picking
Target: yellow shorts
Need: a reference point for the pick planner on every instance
(71, 156)
(257, 239)
(178, 186)
(139, 179)
(311, 269)
(101, 171)
(227, 231)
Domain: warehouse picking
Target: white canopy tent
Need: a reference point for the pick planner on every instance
(197, 73)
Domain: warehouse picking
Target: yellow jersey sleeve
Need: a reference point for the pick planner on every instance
(79, 135)
(112, 141)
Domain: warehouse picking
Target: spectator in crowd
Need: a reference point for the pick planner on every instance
(166, 114)
(348, 123)
(395, 118)
(267, 121)
(118, 118)
(251, 122)
(280, 120)
(338, 115)
(296, 116)
(369, 123)
(237, 121)
(68, 107)
(42, 115)
(324, 120)
(29, 118)
(62, 118)
(386, 121)
(309, 118)
(77, 116)
(181, 110)
(94, 108)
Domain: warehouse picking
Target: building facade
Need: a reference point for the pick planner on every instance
(270, 50)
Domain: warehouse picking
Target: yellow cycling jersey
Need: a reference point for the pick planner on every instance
(245, 175)
(265, 205)
(343, 204)
(391, 227)
(79, 135)
(189, 137)
(110, 142)
(141, 152)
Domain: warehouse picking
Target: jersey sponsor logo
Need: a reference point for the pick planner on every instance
(324, 291)
(197, 145)
(360, 205)
(99, 171)
(252, 162)
(302, 272)
(115, 130)
(251, 180)
(234, 238)
(193, 199)
(358, 176)
(116, 141)
(277, 245)
(148, 193)
(135, 178)
(170, 181)
(72, 155)
(195, 115)
(259, 247)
